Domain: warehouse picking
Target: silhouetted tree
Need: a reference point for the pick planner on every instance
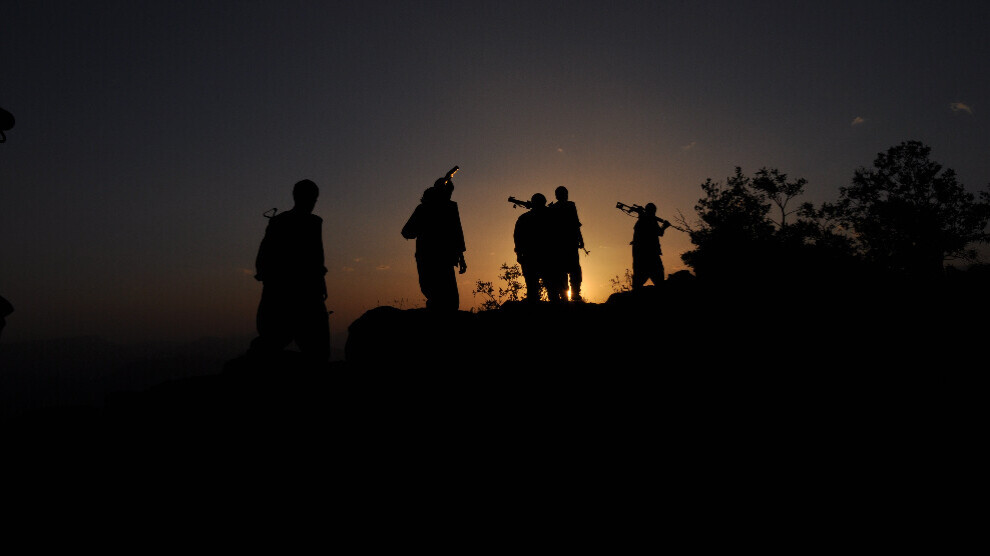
(735, 231)
(908, 214)
(510, 292)
(772, 183)
(623, 284)
(740, 238)
(821, 247)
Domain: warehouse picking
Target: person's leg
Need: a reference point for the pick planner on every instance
(447, 288)
(639, 276)
(427, 280)
(659, 275)
(552, 274)
(575, 277)
(532, 279)
(273, 322)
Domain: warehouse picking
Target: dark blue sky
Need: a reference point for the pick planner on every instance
(150, 137)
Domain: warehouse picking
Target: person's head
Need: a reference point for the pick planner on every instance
(304, 193)
(445, 187)
(560, 193)
(538, 200)
(430, 195)
(651, 209)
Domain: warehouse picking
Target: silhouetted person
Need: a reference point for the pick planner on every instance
(290, 264)
(6, 123)
(567, 227)
(534, 249)
(436, 226)
(5, 310)
(647, 264)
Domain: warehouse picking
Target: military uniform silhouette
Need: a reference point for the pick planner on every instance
(290, 263)
(435, 224)
(533, 236)
(567, 231)
(6, 123)
(5, 310)
(647, 264)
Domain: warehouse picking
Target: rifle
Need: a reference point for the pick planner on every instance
(639, 210)
(529, 205)
(450, 174)
(519, 203)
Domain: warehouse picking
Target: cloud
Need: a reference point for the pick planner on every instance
(384, 267)
(689, 146)
(560, 149)
(348, 269)
(960, 107)
(857, 120)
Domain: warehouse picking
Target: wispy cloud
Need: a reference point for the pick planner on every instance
(560, 149)
(689, 146)
(857, 120)
(960, 107)
(348, 269)
(384, 267)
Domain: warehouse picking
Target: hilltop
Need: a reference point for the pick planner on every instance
(684, 346)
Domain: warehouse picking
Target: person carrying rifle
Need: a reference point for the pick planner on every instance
(534, 249)
(647, 263)
(568, 238)
(290, 264)
(436, 226)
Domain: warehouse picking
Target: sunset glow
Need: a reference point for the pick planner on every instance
(151, 139)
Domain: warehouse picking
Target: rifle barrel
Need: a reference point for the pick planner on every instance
(518, 202)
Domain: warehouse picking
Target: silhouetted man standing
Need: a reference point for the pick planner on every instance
(5, 310)
(436, 226)
(647, 264)
(534, 249)
(290, 264)
(567, 228)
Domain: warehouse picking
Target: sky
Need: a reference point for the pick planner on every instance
(151, 137)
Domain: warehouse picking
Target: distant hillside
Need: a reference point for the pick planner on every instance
(81, 371)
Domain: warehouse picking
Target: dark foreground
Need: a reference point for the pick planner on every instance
(658, 360)
(593, 426)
